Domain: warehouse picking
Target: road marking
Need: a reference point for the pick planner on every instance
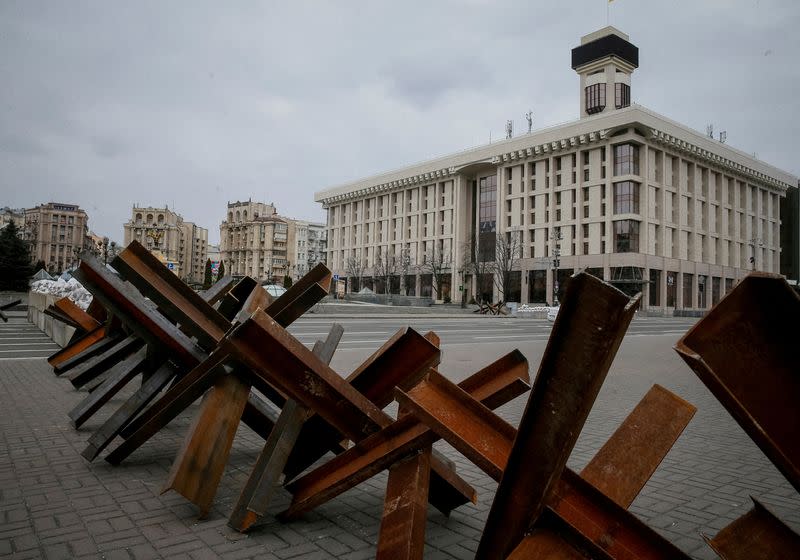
(23, 358)
(530, 335)
(30, 344)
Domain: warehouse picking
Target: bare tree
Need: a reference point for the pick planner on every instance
(385, 267)
(355, 269)
(436, 263)
(508, 251)
(404, 265)
(480, 263)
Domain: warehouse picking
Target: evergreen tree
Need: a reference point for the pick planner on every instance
(207, 278)
(221, 270)
(39, 266)
(15, 262)
(287, 282)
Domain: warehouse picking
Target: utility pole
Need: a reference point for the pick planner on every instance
(555, 238)
(754, 242)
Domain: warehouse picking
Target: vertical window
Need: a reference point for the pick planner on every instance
(626, 197)
(487, 216)
(622, 95)
(626, 159)
(626, 236)
(595, 98)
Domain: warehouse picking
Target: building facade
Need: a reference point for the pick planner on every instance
(309, 248)
(16, 215)
(623, 193)
(255, 241)
(56, 233)
(183, 245)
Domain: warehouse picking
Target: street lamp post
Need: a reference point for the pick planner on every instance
(556, 237)
(754, 242)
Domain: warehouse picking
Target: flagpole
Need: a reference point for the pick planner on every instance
(608, 7)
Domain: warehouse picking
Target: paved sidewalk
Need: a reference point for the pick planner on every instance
(53, 504)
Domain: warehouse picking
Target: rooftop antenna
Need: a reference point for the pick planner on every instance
(710, 130)
(509, 129)
(529, 117)
(723, 136)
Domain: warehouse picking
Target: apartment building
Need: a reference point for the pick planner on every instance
(255, 241)
(309, 248)
(57, 232)
(16, 215)
(623, 193)
(182, 244)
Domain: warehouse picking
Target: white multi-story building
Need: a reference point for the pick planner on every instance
(309, 247)
(623, 193)
(183, 244)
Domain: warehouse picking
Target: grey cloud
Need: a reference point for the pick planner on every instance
(193, 103)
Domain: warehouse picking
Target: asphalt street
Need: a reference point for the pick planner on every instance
(369, 333)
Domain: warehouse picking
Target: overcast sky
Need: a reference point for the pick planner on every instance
(193, 104)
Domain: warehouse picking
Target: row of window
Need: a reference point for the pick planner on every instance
(596, 97)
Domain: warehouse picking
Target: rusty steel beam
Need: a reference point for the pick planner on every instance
(301, 296)
(473, 429)
(184, 392)
(58, 315)
(192, 386)
(405, 508)
(584, 340)
(129, 305)
(260, 415)
(118, 376)
(97, 311)
(217, 292)
(155, 382)
(173, 296)
(605, 523)
(102, 362)
(232, 303)
(198, 469)
(494, 385)
(555, 539)
(400, 362)
(265, 475)
(625, 463)
(757, 535)
(86, 346)
(747, 357)
(274, 356)
(280, 360)
(76, 314)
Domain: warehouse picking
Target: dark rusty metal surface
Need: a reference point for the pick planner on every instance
(624, 464)
(86, 346)
(605, 523)
(129, 305)
(200, 462)
(268, 469)
(81, 374)
(400, 362)
(119, 375)
(218, 291)
(757, 535)
(173, 296)
(746, 352)
(405, 508)
(151, 386)
(58, 315)
(583, 342)
(555, 539)
(78, 315)
(495, 384)
(473, 429)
